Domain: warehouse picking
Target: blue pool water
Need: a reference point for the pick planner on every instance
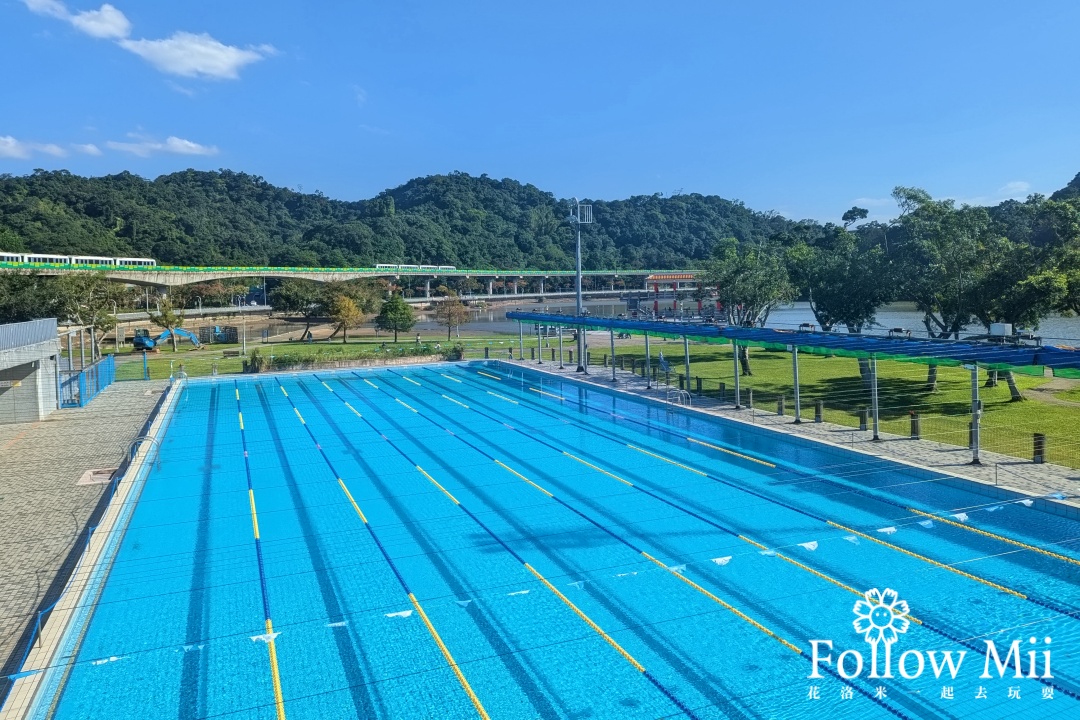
(570, 553)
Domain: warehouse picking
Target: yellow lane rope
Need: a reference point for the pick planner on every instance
(610, 640)
(736, 611)
(450, 659)
(1009, 540)
(731, 452)
(275, 674)
(493, 377)
(544, 392)
(598, 469)
(667, 460)
(819, 574)
(935, 563)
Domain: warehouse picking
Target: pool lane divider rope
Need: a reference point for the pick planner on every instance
(270, 636)
(863, 493)
(679, 507)
(935, 563)
(528, 567)
(1003, 538)
(447, 655)
(671, 570)
(939, 631)
(738, 613)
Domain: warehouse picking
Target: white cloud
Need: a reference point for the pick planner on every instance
(172, 145)
(107, 22)
(190, 55)
(87, 149)
(53, 8)
(361, 95)
(20, 150)
(873, 202)
(1014, 189)
(183, 53)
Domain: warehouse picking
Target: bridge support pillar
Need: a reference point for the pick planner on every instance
(515, 287)
(541, 286)
(491, 287)
(427, 288)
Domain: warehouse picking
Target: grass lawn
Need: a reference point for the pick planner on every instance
(1007, 427)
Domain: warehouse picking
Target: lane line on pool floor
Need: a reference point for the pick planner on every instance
(447, 655)
(844, 487)
(533, 571)
(270, 636)
(950, 568)
(670, 570)
(684, 510)
(1061, 612)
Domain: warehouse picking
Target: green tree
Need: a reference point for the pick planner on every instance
(88, 299)
(168, 318)
(750, 281)
(345, 314)
(451, 313)
(854, 215)
(298, 297)
(396, 315)
(940, 260)
(26, 297)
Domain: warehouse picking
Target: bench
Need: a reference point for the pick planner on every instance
(230, 353)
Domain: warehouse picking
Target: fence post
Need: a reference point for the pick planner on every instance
(487, 353)
(532, 353)
(698, 384)
(552, 354)
(723, 392)
(570, 357)
(1038, 454)
(971, 435)
(605, 359)
(750, 398)
(862, 418)
(819, 411)
(145, 367)
(682, 383)
(916, 426)
(780, 406)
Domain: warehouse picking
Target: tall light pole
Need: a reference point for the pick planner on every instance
(580, 215)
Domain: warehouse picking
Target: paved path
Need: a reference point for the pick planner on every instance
(998, 470)
(43, 512)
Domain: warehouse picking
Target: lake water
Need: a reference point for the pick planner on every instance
(1052, 329)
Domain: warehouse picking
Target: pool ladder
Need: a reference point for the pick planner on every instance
(679, 397)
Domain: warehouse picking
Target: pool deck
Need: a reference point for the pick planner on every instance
(43, 509)
(998, 475)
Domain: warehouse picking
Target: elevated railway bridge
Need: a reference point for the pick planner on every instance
(167, 276)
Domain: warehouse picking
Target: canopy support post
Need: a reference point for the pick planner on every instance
(735, 357)
(648, 366)
(874, 394)
(686, 360)
(612, 332)
(976, 412)
(795, 375)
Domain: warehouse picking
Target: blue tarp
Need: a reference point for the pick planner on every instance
(1064, 361)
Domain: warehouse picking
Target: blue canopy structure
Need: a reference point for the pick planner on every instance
(1028, 359)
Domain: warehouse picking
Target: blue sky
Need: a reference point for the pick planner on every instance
(802, 108)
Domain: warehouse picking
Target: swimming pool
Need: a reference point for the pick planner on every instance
(479, 540)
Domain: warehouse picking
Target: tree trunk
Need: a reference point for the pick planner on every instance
(1014, 392)
(931, 378)
(744, 360)
(991, 378)
(344, 334)
(448, 329)
(172, 336)
(395, 336)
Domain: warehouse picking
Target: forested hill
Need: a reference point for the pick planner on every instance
(231, 218)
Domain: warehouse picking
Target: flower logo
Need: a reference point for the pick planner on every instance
(879, 616)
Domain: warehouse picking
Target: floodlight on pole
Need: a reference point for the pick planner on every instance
(580, 215)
